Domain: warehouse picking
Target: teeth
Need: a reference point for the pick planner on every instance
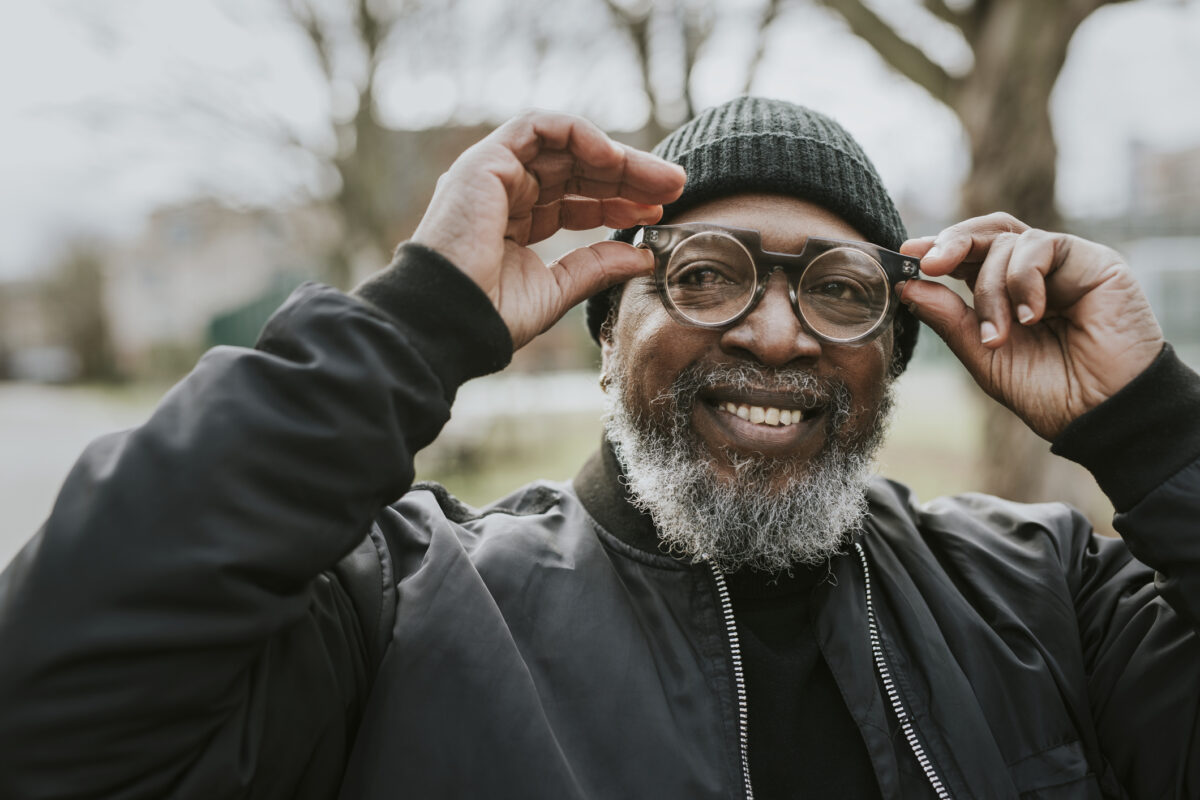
(765, 415)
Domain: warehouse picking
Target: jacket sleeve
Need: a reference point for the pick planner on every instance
(1139, 604)
(178, 628)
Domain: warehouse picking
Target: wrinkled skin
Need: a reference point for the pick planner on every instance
(654, 349)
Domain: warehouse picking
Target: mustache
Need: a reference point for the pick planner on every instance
(806, 390)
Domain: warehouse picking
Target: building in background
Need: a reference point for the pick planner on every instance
(203, 273)
(31, 345)
(196, 261)
(1160, 236)
(1168, 267)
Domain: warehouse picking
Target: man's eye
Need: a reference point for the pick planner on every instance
(704, 274)
(848, 291)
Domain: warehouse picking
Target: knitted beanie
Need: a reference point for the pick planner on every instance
(753, 144)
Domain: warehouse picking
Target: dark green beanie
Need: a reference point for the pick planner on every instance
(752, 144)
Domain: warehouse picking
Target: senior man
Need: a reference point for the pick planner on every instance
(245, 597)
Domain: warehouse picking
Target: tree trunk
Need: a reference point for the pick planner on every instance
(1003, 104)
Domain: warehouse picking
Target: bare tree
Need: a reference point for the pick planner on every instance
(351, 41)
(73, 302)
(1003, 102)
(348, 40)
(678, 31)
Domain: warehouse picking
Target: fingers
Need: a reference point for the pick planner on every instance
(535, 174)
(968, 242)
(991, 291)
(1035, 256)
(587, 270)
(580, 214)
(569, 155)
(529, 133)
(639, 177)
(1003, 261)
(949, 316)
(918, 247)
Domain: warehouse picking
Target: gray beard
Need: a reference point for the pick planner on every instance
(774, 513)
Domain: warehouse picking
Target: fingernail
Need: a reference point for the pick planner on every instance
(1024, 313)
(934, 252)
(987, 332)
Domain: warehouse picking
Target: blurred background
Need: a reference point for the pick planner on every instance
(169, 172)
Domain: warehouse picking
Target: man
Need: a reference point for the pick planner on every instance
(232, 602)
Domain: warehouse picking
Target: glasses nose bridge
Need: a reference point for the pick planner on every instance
(766, 273)
(791, 279)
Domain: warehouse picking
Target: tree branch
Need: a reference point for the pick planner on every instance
(306, 18)
(372, 30)
(638, 28)
(769, 16)
(901, 54)
(696, 28)
(944, 12)
(974, 18)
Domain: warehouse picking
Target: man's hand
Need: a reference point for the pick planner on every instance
(537, 174)
(1059, 323)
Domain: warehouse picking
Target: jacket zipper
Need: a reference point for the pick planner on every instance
(893, 693)
(735, 650)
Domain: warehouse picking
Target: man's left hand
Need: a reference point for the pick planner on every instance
(1059, 324)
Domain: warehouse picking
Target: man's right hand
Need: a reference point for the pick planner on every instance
(536, 174)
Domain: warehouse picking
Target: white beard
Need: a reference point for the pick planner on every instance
(774, 513)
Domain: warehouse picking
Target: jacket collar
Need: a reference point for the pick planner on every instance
(601, 488)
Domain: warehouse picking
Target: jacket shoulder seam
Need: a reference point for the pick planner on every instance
(537, 500)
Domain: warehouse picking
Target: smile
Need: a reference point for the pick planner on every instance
(764, 415)
(766, 423)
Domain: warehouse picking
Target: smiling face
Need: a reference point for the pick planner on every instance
(750, 446)
(760, 401)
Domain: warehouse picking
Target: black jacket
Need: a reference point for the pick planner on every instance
(224, 604)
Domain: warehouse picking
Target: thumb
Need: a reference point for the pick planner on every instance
(587, 270)
(939, 307)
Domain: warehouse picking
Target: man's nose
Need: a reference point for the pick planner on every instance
(772, 334)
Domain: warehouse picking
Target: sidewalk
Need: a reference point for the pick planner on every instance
(42, 431)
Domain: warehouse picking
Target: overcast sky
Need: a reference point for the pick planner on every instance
(99, 119)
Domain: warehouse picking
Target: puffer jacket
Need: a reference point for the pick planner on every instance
(229, 601)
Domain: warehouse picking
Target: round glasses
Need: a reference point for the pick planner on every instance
(712, 276)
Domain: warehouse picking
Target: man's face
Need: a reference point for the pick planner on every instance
(652, 351)
(785, 486)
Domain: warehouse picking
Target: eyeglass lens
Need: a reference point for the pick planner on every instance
(843, 293)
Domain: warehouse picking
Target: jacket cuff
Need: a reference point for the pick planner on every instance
(444, 315)
(1142, 435)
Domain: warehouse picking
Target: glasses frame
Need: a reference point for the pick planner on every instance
(662, 240)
